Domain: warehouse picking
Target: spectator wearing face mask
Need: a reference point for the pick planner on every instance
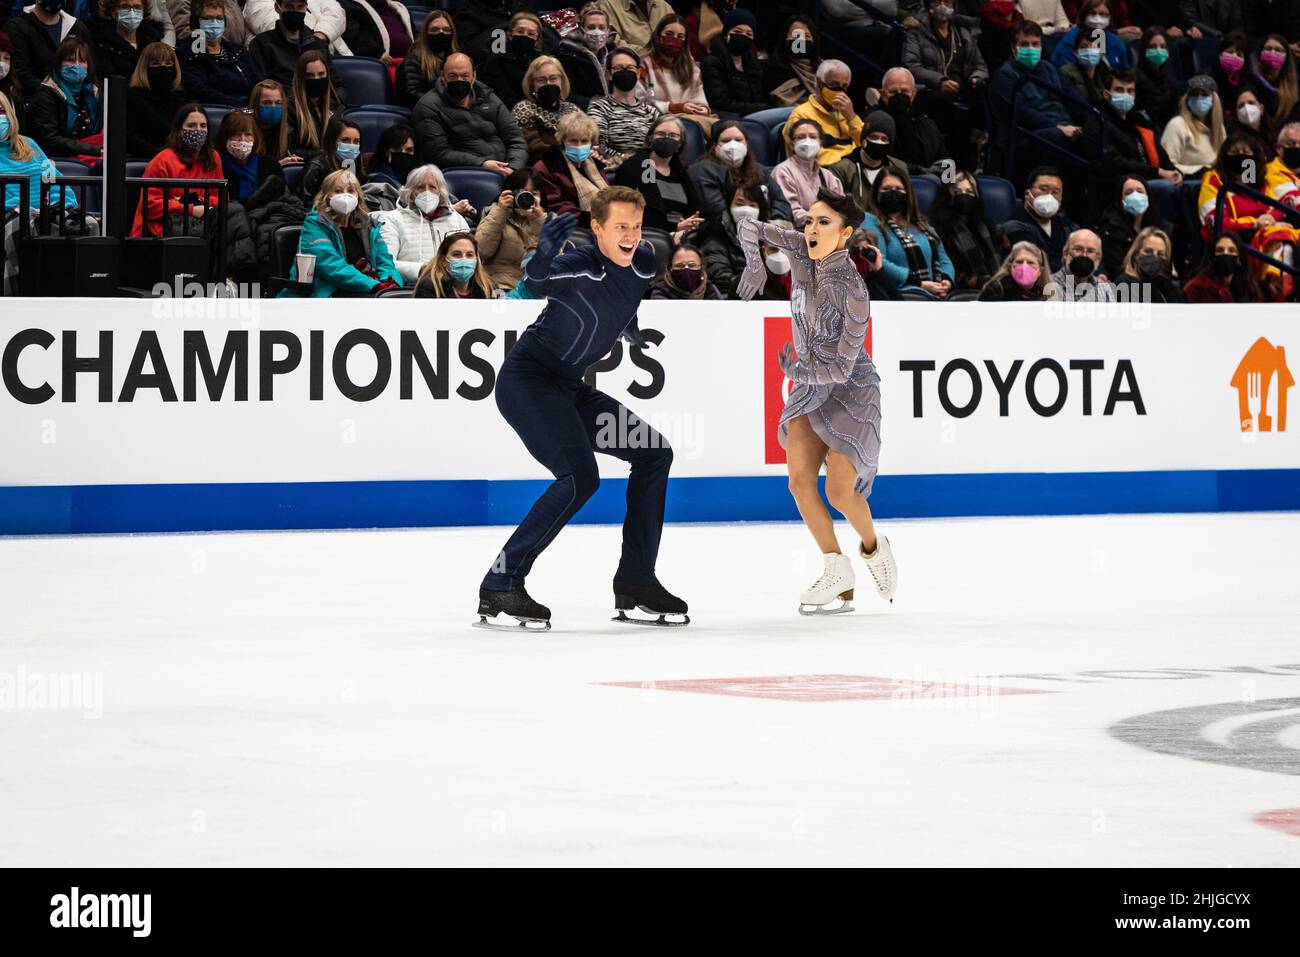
(728, 165)
(1145, 274)
(267, 102)
(801, 177)
(790, 71)
(915, 258)
(461, 122)
(220, 72)
(1091, 24)
(314, 104)
(627, 113)
(1247, 115)
(435, 41)
(1282, 176)
(36, 35)
(546, 103)
(1157, 88)
(121, 34)
(510, 227)
(153, 97)
(341, 149)
(672, 201)
(189, 154)
(1043, 111)
(833, 111)
(278, 45)
(1229, 70)
(567, 173)
(1277, 80)
(582, 53)
(377, 28)
(686, 278)
(732, 73)
(181, 21)
(65, 113)
(858, 171)
(1022, 277)
(1040, 219)
(394, 157)
(8, 86)
(1124, 219)
(1224, 275)
(1088, 72)
(1192, 138)
(974, 243)
(1080, 279)
(1241, 160)
(724, 257)
(633, 21)
(424, 217)
(503, 72)
(456, 272)
(352, 258)
(949, 71)
(248, 171)
(918, 141)
(1124, 24)
(673, 77)
(21, 156)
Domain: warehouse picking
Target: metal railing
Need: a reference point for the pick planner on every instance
(1069, 99)
(1292, 216)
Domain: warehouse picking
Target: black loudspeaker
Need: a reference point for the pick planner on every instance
(169, 260)
(70, 266)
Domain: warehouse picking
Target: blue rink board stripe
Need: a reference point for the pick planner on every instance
(40, 510)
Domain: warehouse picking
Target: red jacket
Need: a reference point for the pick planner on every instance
(168, 165)
(1206, 288)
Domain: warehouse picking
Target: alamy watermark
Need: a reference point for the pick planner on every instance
(24, 690)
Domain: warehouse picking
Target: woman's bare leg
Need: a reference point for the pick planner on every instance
(805, 452)
(840, 478)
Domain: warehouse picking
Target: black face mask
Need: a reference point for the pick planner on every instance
(1081, 267)
(899, 103)
(1235, 166)
(293, 20)
(1149, 264)
(523, 47)
(1291, 157)
(402, 164)
(548, 96)
(666, 146)
(1225, 264)
(875, 151)
(965, 203)
(739, 44)
(51, 6)
(316, 86)
(892, 201)
(624, 80)
(440, 43)
(798, 49)
(161, 77)
(686, 278)
(457, 90)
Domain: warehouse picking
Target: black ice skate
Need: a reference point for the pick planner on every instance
(530, 615)
(653, 599)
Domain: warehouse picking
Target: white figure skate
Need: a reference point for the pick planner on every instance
(881, 565)
(832, 593)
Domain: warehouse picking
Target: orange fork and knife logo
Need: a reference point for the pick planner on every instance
(1262, 380)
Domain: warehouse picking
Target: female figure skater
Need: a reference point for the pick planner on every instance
(833, 413)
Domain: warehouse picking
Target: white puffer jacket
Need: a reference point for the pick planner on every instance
(413, 240)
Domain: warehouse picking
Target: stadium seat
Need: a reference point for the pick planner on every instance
(292, 177)
(662, 242)
(999, 196)
(284, 247)
(216, 113)
(926, 188)
(89, 196)
(778, 144)
(365, 80)
(694, 146)
(418, 13)
(1016, 232)
(480, 186)
(581, 236)
(134, 168)
(760, 142)
(372, 124)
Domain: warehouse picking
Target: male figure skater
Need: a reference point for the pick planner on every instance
(592, 294)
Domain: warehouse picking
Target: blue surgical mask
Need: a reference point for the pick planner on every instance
(1088, 56)
(73, 74)
(347, 151)
(270, 115)
(1136, 203)
(462, 270)
(1200, 105)
(130, 19)
(214, 30)
(577, 154)
(1122, 102)
(4, 128)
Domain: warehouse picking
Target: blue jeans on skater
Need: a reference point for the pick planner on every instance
(563, 422)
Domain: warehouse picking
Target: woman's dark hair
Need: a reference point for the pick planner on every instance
(748, 174)
(914, 216)
(1257, 153)
(758, 196)
(781, 53)
(846, 207)
(329, 145)
(1149, 34)
(1243, 286)
(683, 65)
(692, 248)
(518, 180)
(943, 214)
(389, 141)
(72, 46)
(206, 157)
(623, 51)
(806, 122)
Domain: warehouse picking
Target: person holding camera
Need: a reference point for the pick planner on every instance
(510, 227)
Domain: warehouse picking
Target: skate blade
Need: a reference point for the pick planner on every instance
(521, 624)
(664, 620)
(817, 611)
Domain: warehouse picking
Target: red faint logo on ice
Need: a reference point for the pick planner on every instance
(826, 688)
(1286, 820)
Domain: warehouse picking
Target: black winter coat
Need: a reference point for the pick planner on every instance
(113, 55)
(732, 92)
(34, 51)
(585, 72)
(411, 84)
(453, 135)
(47, 122)
(655, 217)
(504, 75)
(225, 82)
(149, 117)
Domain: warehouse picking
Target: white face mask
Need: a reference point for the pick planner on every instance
(239, 149)
(4, 69)
(1046, 205)
(778, 263)
(428, 202)
(742, 213)
(808, 147)
(1249, 113)
(1097, 22)
(733, 151)
(343, 203)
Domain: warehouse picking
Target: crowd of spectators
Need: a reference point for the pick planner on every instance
(1003, 149)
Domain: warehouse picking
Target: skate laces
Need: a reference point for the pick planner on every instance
(828, 575)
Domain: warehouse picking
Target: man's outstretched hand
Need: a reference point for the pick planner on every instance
(554, 232)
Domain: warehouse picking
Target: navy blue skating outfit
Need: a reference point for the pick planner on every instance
(563, 421)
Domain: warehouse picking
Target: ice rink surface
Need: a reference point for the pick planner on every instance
(1054, 691)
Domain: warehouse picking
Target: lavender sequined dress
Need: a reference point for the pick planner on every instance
(834, 382)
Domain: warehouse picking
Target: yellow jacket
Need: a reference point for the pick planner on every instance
(1280, 180)
(834, 127)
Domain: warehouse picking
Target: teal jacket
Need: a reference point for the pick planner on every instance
(322, 239)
